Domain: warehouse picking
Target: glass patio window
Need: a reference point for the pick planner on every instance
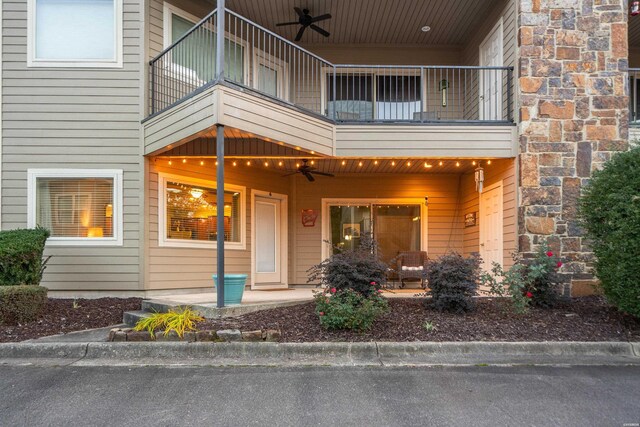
(75, 207)
(197, 53)
(267, 80)
(354, 97)
(397, 97)
(191, 213)
(396, 228)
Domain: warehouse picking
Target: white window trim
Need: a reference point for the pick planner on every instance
(279, 66)
(326, 227)
(32, 61)
(115, 174)
(163, 241)
(183, 73)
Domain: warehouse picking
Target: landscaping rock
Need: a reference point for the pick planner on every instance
(137, 336)
(207, 336)
(252, 335)
(119, 336)
(171, 336)
(229, 335)
(273, 335)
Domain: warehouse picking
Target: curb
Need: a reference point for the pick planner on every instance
(323, 353)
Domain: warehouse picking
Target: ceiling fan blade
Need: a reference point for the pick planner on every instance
(299, 11)
(321, 17)
(287, 23)
(309, 177)
(320, 30)
(300, 33)
(324, 174)
(289, 174)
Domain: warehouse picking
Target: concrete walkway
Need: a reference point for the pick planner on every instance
(259, 297)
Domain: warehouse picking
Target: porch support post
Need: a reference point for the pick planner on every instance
(220, 213)
(220, 24)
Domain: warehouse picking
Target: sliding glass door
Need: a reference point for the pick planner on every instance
(396, 227)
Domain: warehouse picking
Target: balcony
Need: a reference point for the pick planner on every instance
(279, 91)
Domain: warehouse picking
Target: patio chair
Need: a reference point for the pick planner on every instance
(412, 265)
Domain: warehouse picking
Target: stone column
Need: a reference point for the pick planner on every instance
(574, 112)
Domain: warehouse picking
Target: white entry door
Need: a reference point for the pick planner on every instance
(267, 243)
(491, 230)
(491, 81)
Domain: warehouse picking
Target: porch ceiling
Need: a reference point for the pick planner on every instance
(356, 166)
(452, 22)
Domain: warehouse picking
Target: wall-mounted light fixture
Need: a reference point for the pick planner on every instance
(426, 200)
(479, 176)
(444, 85)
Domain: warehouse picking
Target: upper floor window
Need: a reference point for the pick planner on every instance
(75, 33)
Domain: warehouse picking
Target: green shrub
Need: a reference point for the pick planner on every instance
(349, 309)
(610, 214)
(528, 282)
(21, 260)
(21, 304)
(453, 281)
(358, 269)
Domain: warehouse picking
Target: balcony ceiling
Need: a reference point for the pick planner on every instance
(452, 22)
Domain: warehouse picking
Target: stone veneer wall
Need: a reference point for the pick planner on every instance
(573, 99)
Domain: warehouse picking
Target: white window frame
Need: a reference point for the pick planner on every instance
(32, 61)
(326, 218)
(164, 241)
(115, 174)
(279, 66)
(183, 73)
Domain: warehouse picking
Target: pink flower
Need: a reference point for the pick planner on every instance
(372, 283)
(333, 290)
(549, 254)
(529, 295)
(559, 264)
(379, 291)
(321, 313)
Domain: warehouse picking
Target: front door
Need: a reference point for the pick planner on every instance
(491, 80)
(267, 244)
(491, 226)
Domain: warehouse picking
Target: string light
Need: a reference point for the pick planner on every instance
(457, 164)
(217, 163)
(184, 160)
(408, 163)
(249, 163)
(297, 165)
(201, 163)
(488, 162)
(313, 162)
(360, 164)
(427, 165)
(441, 163)
(170, 163)
(234, 164)
(393, 163)
(266, 164)
(344, 162)
(473, 163)
(279, 163)
(375, 162)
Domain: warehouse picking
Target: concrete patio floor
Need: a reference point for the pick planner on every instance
(262, 297)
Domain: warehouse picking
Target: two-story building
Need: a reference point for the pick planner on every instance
(146, 135)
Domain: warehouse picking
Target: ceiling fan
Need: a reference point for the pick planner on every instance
(308, 171)
(307, 20)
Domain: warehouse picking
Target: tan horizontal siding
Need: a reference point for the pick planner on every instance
(74, 118)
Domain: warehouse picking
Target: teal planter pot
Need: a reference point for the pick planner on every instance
(233, 287)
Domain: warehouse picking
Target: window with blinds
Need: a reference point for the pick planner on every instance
(191, 213)
(75, 207)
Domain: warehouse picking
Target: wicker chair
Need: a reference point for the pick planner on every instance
(412, 265)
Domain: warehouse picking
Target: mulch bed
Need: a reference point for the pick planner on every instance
(60, 317)
(581, 319)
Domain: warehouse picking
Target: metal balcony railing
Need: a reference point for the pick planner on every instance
(262, 61)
